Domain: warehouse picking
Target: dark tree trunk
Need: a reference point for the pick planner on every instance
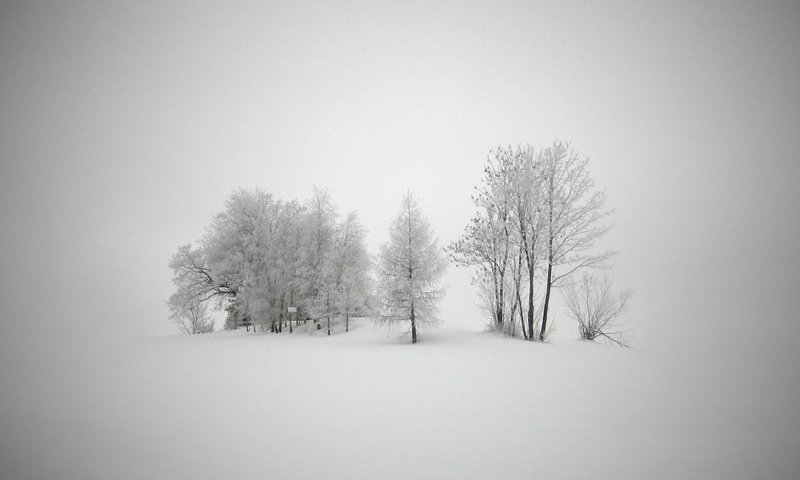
(546, 299)
(413, 325)
(529, 263)
(500, 305)
(530, 305)
(521, 322)
(549, 284)
(347, 322)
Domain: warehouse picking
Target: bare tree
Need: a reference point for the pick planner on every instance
(574, 214)
(501, 239)
(526, 211)
(597, 309)
(193, 320)
(409, 268)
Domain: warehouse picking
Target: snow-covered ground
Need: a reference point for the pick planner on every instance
(369, 405)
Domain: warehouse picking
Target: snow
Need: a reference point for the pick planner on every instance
(368, 404)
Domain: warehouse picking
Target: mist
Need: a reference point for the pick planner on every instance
(125, 126)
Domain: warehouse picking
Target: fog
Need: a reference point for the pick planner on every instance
(124, 126)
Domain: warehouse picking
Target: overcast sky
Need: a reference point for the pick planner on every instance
(124, 126)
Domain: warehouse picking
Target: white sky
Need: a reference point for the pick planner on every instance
(124, 126)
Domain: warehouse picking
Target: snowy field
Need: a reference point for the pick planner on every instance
(369, 405)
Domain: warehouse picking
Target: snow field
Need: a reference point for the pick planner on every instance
(368, 404)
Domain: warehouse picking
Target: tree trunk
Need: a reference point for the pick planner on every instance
(546, 299)
(521, 322)
(500, 303)
(530, 304)
(413, 325)
(549, 284)
(328, 309)
(347, 321)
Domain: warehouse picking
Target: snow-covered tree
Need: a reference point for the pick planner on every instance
(354, 264)
(573, 214)
(344, 279)
(248, 259)
(503, 240)
(526, 213)
(487, 242)
(261, 255)
(410, 266)
(319, 233)
(194, 280)
(537, 219)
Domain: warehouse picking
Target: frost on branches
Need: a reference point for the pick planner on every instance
(538, 216)
(262, 255)
(410, 265)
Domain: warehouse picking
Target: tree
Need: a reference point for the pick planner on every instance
(248, 260)
(526, 213)
(504, 237)
(410, 265)
(573, 217)
(354, 264)
(319, 229)
(596, 308)
(194, 280)
(193, 320)
(538, 216)
(487, 242)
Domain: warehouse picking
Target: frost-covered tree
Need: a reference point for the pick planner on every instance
(248, 258)
(503, 240)
(537, 218)
(195, 283)
(261, 255)
(526, 213)
(318, 238)
(410, 266)
(241, 249)
(193, 320)
(573, 214)
(344, 279)
(354, 283)
(487, 242)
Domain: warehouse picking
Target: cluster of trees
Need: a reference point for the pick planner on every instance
(538, 215)
(262, 255)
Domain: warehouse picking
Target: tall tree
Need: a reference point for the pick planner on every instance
(525, 199)
(410, 266)
(354, 265)
(247, 260)
(503, 239)
(319, 232)
(487, 242)
(574, 212)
